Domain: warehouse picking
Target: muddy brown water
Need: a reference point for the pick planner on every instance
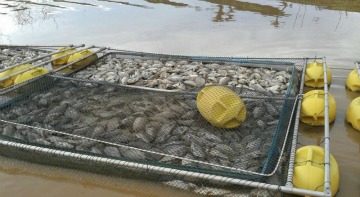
(257, 28)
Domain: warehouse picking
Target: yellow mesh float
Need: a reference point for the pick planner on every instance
(353, 81)
(80, 55)
(313, 109)
(10, 81)
(309, 169)
(221, 106)
(314, 75)
(62, 61)
(353, 113)
(30, 74)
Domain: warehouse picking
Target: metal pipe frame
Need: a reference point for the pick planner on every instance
(256, 60)
(30, 46)
(295, 134)
(158, 169)
(327, 182)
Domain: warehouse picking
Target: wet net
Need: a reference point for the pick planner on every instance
(167, 135)
(156, 128)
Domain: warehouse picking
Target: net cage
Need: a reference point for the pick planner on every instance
(136, 130)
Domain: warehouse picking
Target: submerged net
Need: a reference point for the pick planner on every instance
(141, 126)
(158, 128)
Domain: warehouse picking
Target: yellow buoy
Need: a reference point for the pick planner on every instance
(10, 81)
(309, 169)
(313, 109)
(62, 61)
(221, 106)
(30, 74)
(353, 81)
(353, 113)
(314, 75)
(79, 55)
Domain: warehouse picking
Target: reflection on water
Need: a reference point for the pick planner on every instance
(35, 180)
(341, 5)
(350, 94)
(26, 16)
(167, 2)
(265, 10)
(126, 3)
(225, 9)
(75, 2)
(353, 134)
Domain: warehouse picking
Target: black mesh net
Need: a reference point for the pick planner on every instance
(153, 127)
(231, 130)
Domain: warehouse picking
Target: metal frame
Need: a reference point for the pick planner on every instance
(288, 188)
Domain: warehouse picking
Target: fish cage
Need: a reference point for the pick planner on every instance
(137, 131)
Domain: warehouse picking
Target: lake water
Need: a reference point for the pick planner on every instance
(256, 28)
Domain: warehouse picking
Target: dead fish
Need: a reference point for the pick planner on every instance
(177, 149)
(72, 114)
(202, 133)
(187, 160)
(165, 130)
(189, 115)
(179, 130)
(112, 124)
(112, 151)
(224, 80)
(190, 83)
(271, 109)
(215, 153)
(225, 149)
(186, 122)
(64, 145)
(139, 124)
(197, 150)
(81, 131)
(132, 153)
(209, 191)
(181, 185)
(98, 130)
(258, 112)
(9, 130)
(200, 82)
(252, 145)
